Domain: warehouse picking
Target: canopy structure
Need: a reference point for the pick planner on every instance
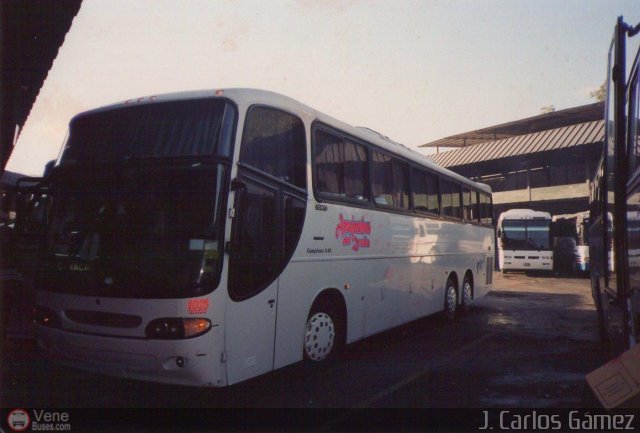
(542, 141)
(32, 33)
(543, 122)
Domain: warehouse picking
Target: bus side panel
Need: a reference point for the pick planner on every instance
(405, 279)
(390, 269)
(299, 286)
(467, 247)
(379, 293)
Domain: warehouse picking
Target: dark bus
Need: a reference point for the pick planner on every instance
(614, 234)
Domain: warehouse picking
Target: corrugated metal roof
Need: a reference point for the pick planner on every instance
(559, 138)
(542, 122)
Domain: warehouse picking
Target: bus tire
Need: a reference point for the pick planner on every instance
(323, 333)
(467, 294)
(450, 300)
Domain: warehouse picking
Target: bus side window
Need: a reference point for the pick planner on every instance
(382, 177)
(425, 192)
(433, 193)
(390, 181)
(485, 209)
(420, 196)
(450, 193)
(469, 204)
(341, 167)
(455, 199)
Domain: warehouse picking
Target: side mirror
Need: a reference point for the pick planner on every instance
(48, 167)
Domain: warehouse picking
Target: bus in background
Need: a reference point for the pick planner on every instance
(204, 238)
(524, 240)
(614, 237)
(21, 244)
(570, 236)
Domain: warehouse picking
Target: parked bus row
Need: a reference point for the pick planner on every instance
(530, 240)
(204, 238)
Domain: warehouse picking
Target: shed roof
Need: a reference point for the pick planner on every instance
(542, 122)
(558, 138)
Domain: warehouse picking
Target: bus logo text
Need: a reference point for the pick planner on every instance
(354, 232)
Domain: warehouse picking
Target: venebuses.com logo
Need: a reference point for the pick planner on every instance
(20, 420)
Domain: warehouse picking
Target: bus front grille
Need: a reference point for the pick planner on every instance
(100, 318)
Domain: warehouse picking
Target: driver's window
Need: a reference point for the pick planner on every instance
(274, 143)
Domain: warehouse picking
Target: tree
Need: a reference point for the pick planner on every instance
(547, 109)
(600, 93)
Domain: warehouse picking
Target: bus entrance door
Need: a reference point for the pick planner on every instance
(253, 283)
(267, 223)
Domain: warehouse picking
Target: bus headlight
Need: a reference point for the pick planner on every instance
(176, 328)
(44, 316)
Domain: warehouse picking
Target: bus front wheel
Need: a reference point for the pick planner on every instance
(323, 333)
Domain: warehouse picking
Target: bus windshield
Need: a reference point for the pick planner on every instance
(525, 234)
(538, 234)
(145, 232)
(136, 199)
(159, 130)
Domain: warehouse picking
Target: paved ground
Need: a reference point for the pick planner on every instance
(539, 340)
(528, 344)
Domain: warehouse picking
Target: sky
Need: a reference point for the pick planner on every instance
(414, 70)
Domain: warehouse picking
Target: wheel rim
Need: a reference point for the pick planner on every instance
(319, 336)
(452, 301)
(467, 294)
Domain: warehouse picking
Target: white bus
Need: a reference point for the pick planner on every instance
(525, 242)
(204, 238)
(570, 235)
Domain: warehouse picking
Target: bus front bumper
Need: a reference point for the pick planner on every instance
(190, 362)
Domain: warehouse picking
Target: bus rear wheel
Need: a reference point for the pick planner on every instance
(322, 334)
(467, 294)
(450, 300)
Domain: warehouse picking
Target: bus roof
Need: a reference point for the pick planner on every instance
(523, 214)
(579, 216)
(245, 97)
